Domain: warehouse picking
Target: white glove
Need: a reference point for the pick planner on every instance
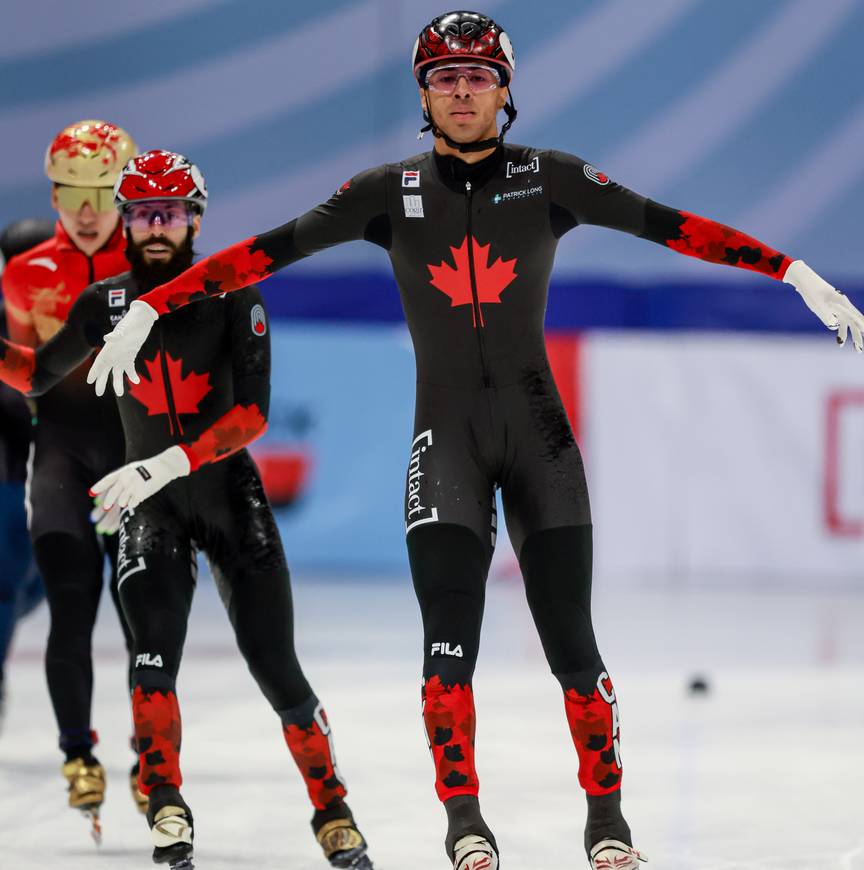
(832, 307)
(107, 521)
(128, 486)
(117, 357)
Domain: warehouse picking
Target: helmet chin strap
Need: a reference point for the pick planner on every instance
(465, 147)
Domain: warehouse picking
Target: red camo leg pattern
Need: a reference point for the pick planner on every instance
(450, 720)
(312, 750)
(593, 721)
(158, 732)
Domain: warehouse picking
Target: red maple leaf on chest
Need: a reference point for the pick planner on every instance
(186, 392)
(491, 279)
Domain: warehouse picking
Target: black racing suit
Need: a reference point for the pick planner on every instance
(472, 248)
(76, 438)
(205, 385)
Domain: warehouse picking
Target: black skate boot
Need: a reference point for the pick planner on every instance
(337, 834)
(470, 844)
(170, 821)
(607, 835)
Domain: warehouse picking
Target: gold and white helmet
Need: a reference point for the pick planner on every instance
(88, 154)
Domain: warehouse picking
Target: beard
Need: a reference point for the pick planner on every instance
(150, 275)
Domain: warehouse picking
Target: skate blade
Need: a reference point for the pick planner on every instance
(95, 825)
(348, 862)
(182, 864)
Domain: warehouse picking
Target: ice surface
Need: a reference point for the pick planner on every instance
(764, 773)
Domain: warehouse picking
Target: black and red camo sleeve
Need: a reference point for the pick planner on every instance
(582, 194)
(357, 210)
(249, 327)
(33, 371)
(711, 241)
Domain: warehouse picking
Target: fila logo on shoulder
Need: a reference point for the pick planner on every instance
(516, 168)
(444, 649)
(259, 320)
(595, 175)
(411, 178)
(117, 297)
(148, 661)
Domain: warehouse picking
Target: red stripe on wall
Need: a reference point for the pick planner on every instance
(565, 359)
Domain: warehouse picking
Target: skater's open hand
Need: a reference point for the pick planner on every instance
(832, 307)
(128, 486)
(117, 357)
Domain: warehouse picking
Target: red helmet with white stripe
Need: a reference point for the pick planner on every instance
(158, 175)
(462, 36)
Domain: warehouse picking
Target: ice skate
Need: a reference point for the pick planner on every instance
(86, 778)
(337, 834)
(474, 852)
(171, 828)
(615, 855)
(138, 796)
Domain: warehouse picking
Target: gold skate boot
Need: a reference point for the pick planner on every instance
(343, 844)
(86, 791)
(141, 800)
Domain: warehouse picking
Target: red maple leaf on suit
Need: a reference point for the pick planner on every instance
(187, 392)
(491, 280)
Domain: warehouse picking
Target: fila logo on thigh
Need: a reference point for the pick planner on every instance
(148, 660)
(607, 693)
(416, 513)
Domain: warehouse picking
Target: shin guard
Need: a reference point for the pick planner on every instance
(450, 721)
(158, 731)
(310, 740)
(593, 720)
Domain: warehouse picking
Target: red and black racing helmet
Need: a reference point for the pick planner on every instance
(160, 175)
(463, 35)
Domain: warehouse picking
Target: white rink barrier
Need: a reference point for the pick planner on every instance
(716, 457)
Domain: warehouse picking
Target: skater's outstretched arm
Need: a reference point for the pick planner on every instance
(33, 371)
(581, 194)
(356, 211)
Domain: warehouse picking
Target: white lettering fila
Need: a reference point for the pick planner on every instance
(607, 693)
(444, 649)
(416, 513)
(149, 660)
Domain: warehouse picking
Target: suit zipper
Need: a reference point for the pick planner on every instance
(479, 324)
(173, 419)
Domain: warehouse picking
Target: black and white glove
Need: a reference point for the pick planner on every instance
(128, 486)
(831, 306)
